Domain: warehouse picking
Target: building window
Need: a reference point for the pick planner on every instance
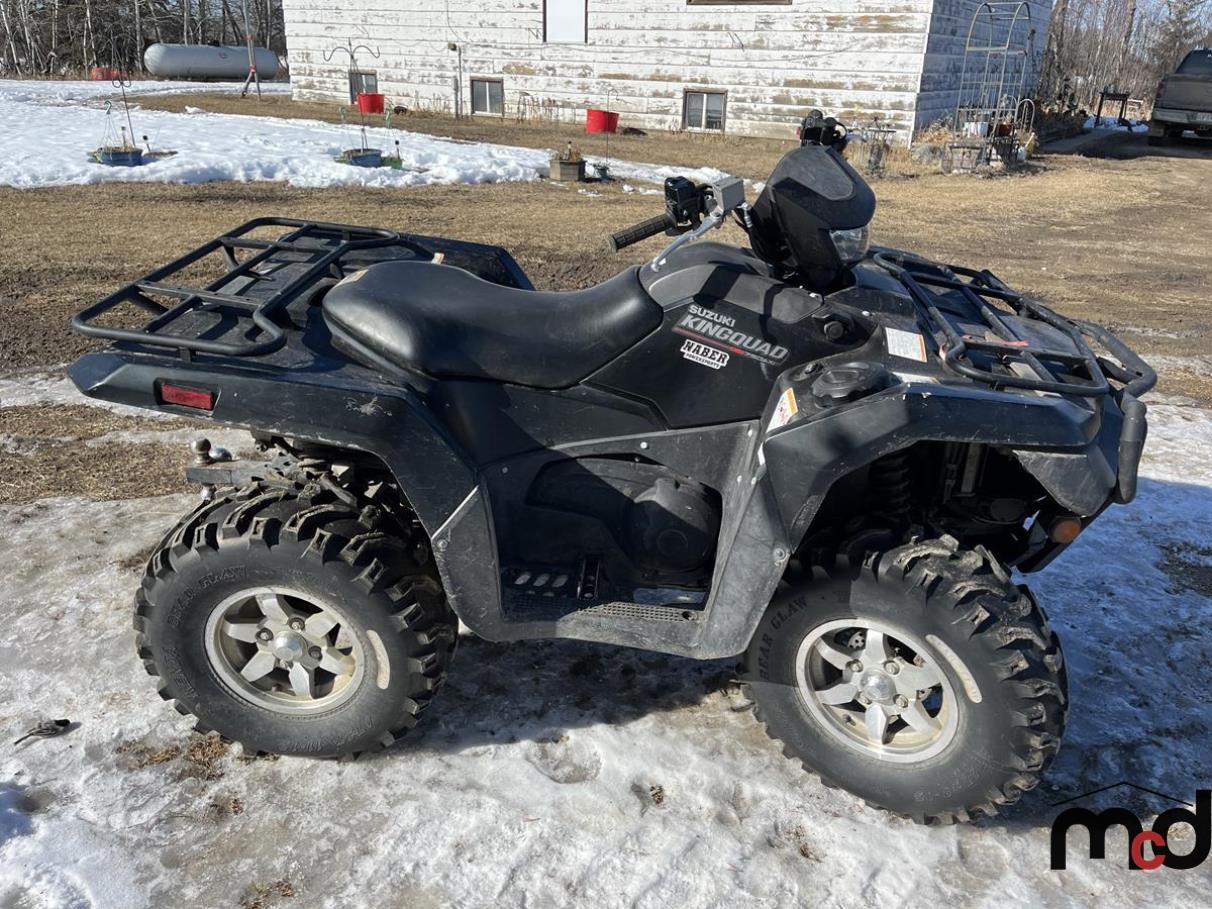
(566, 21)
(488, 96)
(703, 110)
(362, 81)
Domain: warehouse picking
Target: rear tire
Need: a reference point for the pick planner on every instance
(966, 685)
(355, 595)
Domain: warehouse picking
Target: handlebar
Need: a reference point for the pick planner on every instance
(642, 231)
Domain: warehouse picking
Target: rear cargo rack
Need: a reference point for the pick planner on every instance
(316, 248)
(1024, 364)
(308, 256)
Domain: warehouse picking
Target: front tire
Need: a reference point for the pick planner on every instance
(920, 678)
(290, 620)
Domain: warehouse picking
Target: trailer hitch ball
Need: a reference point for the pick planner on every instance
(206, 454)
(201, 450)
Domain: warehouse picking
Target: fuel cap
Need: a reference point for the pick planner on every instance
(849, 382)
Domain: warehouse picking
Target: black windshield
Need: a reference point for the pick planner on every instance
(1198, 63)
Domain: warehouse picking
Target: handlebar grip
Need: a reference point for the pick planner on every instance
(642, 231)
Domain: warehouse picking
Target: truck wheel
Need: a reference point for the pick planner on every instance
(920, 678)
(1167, 136)
(293, 622)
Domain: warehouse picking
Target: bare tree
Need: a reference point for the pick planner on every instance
(63, 37)
(1124, 44)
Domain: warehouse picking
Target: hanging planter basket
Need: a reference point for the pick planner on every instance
(371, 102)
(362, 157)
(117, 156)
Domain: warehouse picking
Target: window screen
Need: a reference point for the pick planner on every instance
(704, 110)
(487, 96)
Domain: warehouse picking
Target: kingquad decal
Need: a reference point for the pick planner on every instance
(720, 331)
(704, 354)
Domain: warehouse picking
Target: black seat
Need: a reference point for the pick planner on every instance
(446, 322)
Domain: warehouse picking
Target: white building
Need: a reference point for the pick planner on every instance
(750, 67)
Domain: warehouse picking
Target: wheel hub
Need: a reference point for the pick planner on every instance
(288, 647)
(284, 650)
(876, 688)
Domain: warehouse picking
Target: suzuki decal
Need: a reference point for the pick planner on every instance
(720, 331)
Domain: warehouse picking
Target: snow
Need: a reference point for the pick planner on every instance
(1112, 123)
(73, 92)
(531, 781)
(50, 128)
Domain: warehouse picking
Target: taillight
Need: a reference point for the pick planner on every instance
(1161, 87)
(184, 396)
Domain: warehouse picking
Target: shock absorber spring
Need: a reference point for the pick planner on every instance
(888, 482)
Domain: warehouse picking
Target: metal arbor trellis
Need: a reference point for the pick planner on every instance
(993, 113)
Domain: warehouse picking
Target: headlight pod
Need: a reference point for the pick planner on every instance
(851, 244)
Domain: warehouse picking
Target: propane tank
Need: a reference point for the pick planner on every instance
(206, 61)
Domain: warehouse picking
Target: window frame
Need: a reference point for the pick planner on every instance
(487, 80)
(361, 75)
(585, 40)
(723, 95)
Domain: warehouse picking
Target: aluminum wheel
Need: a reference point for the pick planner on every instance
(877, 689)
(284, 650)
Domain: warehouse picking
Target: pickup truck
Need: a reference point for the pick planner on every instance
(1184, 100)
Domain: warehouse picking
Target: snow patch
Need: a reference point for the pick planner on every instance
(1113, 124)
(52, 126)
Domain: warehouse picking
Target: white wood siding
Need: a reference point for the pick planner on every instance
(853, 58)
(945, 54)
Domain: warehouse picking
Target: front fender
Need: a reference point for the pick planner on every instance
(822, 444)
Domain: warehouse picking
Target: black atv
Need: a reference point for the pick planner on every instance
(825, 457)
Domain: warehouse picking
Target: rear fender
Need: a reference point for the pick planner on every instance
(390, 422)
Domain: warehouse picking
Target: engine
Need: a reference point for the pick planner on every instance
(664, 526)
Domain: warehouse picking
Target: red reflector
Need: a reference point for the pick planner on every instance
(197, 398)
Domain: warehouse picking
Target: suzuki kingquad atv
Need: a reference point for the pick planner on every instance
(823, 457)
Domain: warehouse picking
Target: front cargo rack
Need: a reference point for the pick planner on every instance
(274, 273)
(1024, 361)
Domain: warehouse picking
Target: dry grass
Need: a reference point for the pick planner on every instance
(1120, 242)
(202, 757)
(67, 422)
(741, 155)
(42, 454)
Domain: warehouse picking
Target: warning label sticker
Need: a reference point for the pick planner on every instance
(908, 345)
(784, 411)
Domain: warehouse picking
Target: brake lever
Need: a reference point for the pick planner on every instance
(728, 195)
(713, 219)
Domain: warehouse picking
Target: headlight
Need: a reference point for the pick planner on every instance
(851, 245)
